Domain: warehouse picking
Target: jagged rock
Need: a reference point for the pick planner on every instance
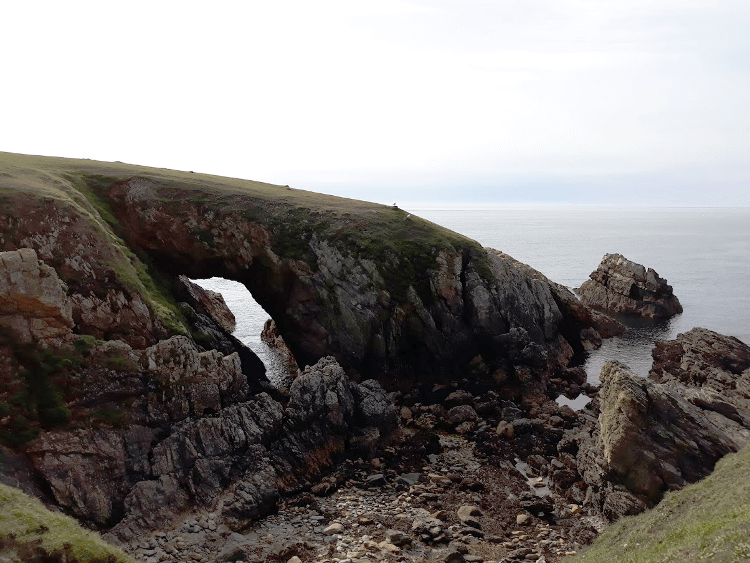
(210, 322)
(33, 303)
(718, 365)
(246, 454)
(215, 380)
(211, 302)
(647, 439)
(621, 286)
(270, 335)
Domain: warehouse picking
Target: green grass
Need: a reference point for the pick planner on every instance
(404, 246)
(705, 521)
(28, 528)
(83, 185)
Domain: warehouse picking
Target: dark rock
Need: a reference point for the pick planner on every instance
(621, 286)
(459, 397)
(512, 413)
(710, 369)
(376, 480)
(247, 454)
(210, 302)
(462, 413)
(536, 504)
(409, 479)
(270, 335)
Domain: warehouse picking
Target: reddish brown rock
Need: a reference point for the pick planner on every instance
(33, 303)
(212, 303)
(710, 370)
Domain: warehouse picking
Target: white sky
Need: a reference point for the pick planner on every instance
(625, 102)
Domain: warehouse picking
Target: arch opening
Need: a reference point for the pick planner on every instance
(251, 319)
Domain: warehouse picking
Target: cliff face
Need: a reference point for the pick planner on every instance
(382, 291)
(132, 401)
(32, 299)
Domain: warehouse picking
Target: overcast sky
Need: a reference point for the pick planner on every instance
(624, 102)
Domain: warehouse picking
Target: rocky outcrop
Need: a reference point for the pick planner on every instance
(645, 438)
(33, 303)
(583, 327)
(108, 301)
(192, 436)
(429, 308)
(275, 341)
(388, 294)
(710, 370)
(209, 319)
(211, 302)
(621, 286)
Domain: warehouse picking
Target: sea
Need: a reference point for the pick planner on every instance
(703, 253)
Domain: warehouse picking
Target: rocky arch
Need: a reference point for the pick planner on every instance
(383, 299)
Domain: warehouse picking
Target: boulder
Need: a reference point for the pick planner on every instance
(621, 286)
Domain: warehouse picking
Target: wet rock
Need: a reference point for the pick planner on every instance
(621, 286)
(271, 336)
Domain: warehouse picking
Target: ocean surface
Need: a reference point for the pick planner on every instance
(704, 254)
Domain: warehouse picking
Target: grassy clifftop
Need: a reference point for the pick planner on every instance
(358, 228)
(705, 521)
(30, 532)
(67, 179)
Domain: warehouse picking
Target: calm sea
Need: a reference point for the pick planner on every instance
(704, 253)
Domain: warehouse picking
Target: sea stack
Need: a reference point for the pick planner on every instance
(621, 286)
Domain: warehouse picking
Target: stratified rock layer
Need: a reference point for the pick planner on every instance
(710, 370)
(621, 286)
(651, 437)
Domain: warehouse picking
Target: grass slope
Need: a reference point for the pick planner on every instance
(705, 521)
(405, 243)
(30, 532)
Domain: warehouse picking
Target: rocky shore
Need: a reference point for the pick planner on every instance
(423, 426)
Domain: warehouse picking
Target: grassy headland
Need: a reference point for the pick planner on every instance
(358, 228)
